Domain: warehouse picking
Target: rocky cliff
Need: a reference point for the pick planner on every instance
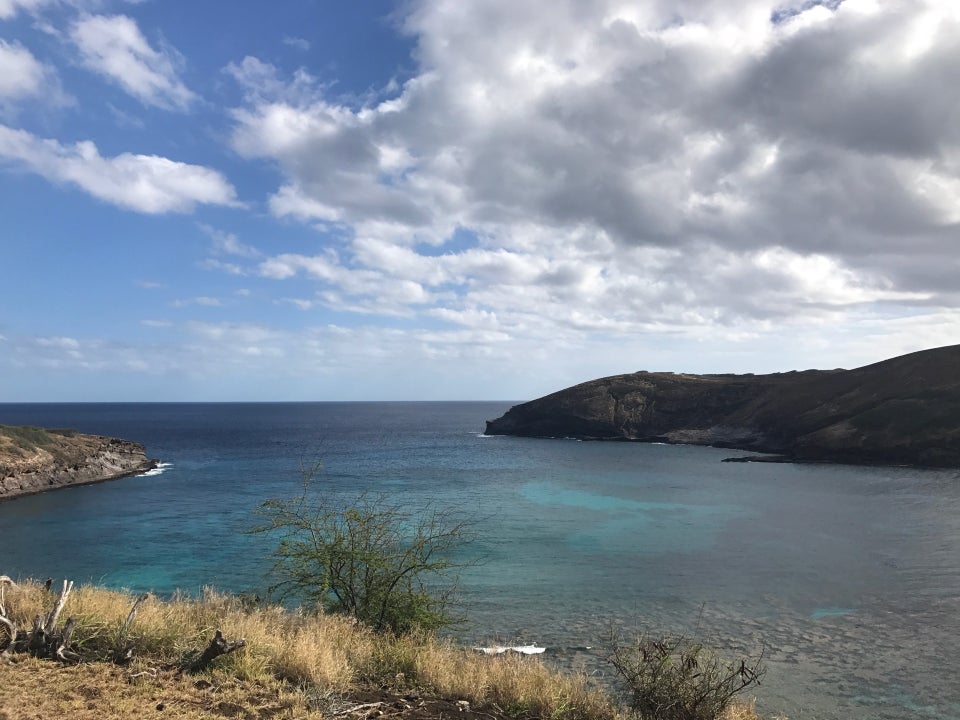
(34, 460)
(904, 411)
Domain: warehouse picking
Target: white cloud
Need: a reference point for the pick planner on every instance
(143, 183)
(299, 43)
(22, 76)
(225, 243)
(221, 266)
(9, 8)
(542, 200)
(630, 168)
(261, 81)
(478, 358)
(299, 303)
(289, 201)
(114, 47)
(20, 72)
(202, 300)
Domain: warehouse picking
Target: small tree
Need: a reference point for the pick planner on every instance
(386, 566)
(677, 679)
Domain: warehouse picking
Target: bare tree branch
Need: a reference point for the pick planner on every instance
(217, 647)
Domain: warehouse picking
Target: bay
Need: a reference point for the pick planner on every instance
(846, 578)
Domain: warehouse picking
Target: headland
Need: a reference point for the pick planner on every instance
(902, 411)
(35, 460)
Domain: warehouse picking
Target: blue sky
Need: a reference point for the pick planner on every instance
(485, 200)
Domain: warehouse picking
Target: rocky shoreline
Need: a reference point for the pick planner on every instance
(66, 460)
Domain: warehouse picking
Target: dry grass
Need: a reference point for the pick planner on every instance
(327, 654)
(318, 650)
(520, 686)
(290, 657)
(39, 690)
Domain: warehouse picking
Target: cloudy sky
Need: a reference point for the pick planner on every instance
(437, 199)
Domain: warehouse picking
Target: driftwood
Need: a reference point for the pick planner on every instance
(43, 639)
(217, 647)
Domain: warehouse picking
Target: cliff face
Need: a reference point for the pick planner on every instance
(900, 411)
(33, 460)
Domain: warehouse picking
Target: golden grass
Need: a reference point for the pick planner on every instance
(324, 652)
(289, 656)
(518, 684)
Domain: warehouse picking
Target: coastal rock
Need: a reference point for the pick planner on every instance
(903, 411)
(63, 459)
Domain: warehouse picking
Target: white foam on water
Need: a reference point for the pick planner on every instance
(522, 649)
(158, 470)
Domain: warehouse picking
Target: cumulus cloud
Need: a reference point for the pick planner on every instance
(631, 167)
(143, 183)
(114, 47)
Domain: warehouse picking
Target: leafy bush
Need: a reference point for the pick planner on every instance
(383, 565)
(677, 679)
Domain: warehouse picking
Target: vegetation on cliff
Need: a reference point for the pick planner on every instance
(34, 459)
(23, 441)
(900, 411)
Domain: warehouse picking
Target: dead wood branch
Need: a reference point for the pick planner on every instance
(124, 649)
(6, 621)
(43, 640)
(217, 647)
(54, 614)
(61, 653)
(357, 708)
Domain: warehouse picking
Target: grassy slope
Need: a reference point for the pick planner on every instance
(294, 666)
(25, 446)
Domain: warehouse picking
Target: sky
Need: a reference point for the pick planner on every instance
(485, 200)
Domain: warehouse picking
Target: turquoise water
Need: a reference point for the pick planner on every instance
(848, 579)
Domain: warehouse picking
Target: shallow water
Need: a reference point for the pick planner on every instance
(848, 579)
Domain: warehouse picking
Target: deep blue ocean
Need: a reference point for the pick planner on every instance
(846, 578)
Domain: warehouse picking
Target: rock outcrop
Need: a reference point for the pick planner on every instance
(904, 411)
(39, 460)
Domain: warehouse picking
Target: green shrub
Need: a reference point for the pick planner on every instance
(677, 679)
(385, 566)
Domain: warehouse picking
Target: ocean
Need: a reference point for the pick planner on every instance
(847, 579)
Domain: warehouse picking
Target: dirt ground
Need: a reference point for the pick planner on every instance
(33, 689)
